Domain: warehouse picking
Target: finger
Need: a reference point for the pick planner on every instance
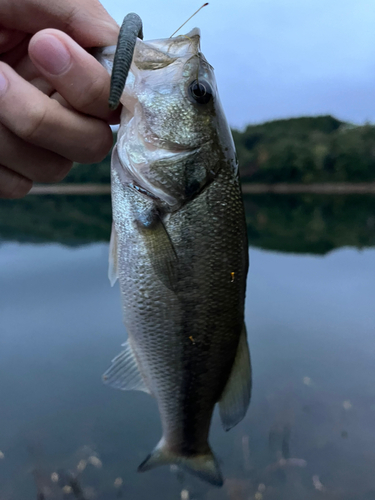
(85, 21)
(9, 39)
(59, 98)
(14, 56)
(13, 185)
(26, 68)
(30, 161)
(72, 71)
(42, 85)
(42, 121)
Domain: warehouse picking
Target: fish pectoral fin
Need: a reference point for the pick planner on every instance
(124, 372)
(160, 250)
(113, 268)
(236, 395)
(203, 465)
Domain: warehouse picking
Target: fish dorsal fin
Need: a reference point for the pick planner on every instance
(236, 395)
(124, 372)
(202, 465)
(113, 268)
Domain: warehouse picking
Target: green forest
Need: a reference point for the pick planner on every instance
(312, 149)
(297, 150)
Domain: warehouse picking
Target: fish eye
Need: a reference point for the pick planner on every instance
(200, 91)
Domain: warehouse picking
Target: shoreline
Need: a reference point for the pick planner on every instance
(315, 188)
(247, 188)
(73, 189)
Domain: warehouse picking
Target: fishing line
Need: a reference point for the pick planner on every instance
(196, 12)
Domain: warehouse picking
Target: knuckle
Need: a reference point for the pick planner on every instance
(60, 171)
(21, 188)
(13, 185)
(70, 17)
(100, 147)
(95, 93)
(53, 171)
(34, 123)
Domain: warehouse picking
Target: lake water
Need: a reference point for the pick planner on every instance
(310, 429)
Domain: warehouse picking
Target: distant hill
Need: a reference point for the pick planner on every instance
(308, 149)
(302, 150)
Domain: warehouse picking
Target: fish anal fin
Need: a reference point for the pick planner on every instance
(235, 398)
(124, 372)
(113, 267)
(203, 465)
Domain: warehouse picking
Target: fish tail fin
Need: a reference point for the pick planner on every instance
(203, 465)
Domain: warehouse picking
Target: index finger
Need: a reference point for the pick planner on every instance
(86, 21)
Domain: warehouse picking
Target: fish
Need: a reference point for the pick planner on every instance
(179, 251)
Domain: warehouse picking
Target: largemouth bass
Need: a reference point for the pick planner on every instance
(179, 249)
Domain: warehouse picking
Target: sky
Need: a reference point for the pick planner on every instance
(277, 58)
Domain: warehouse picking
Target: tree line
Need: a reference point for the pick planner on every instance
(305, 150)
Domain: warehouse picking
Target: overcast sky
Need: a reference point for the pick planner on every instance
(277, 58)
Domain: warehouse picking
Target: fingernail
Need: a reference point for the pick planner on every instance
(50, 54)
(3, 83)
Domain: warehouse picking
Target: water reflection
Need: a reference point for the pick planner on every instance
(313, 224)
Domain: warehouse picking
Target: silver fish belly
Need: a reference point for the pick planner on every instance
(179, 250)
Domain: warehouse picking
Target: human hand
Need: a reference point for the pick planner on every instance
(53, 94)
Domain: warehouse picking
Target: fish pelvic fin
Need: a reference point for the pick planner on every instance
(203, 465)
(124, 372)
(235, 398)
